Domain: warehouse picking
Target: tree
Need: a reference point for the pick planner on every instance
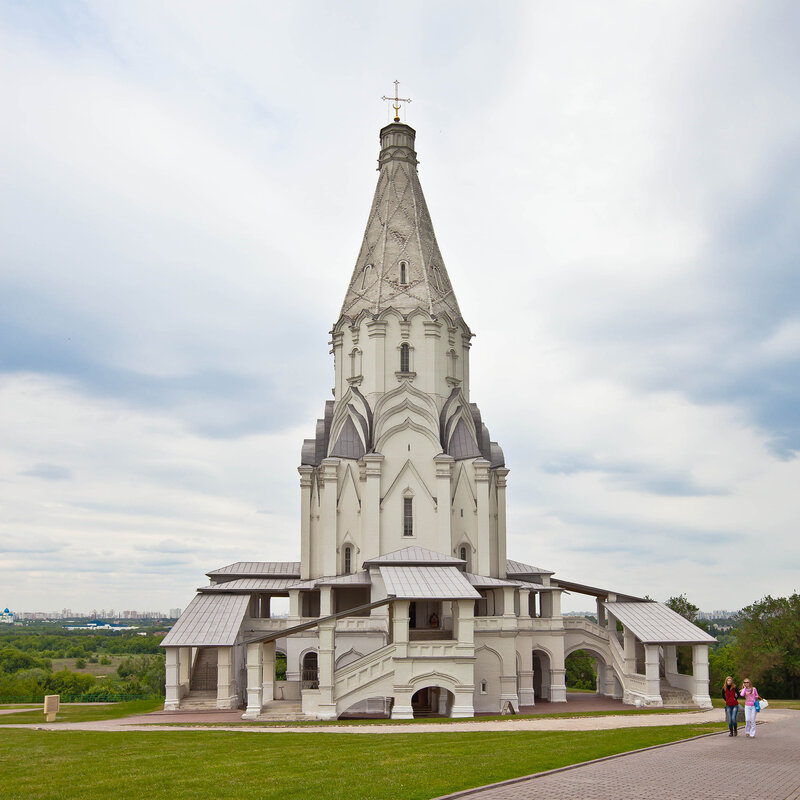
(768, 644)
(681, 605)
(580, 670)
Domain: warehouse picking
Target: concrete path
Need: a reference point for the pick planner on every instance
(712, 768)
(157, 720)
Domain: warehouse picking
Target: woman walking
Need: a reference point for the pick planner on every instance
(730, 694)
(750, 694)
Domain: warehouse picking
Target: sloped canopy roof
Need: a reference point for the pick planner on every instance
(436, 583)
(258, 569)
(416, 555)
(654, 623)
(210, 620)
(250, 585)
(518, 568)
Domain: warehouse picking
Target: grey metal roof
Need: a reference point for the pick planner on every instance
(416, 555)
(438, 583)
(485, 582)
(258, 569)
(210, 620)
(654, 623)
(353, 579)
(349, 444)
(250, 585)
(518, 568)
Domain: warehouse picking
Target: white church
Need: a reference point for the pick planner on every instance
(404, 601)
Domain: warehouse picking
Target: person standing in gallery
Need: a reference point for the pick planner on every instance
(750, 694)
(730, 694)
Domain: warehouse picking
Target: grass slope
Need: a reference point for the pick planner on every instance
(84, 712)
(294, 766)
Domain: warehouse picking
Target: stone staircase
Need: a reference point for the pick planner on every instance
(282, 711)
(673, 697)
(199, 700)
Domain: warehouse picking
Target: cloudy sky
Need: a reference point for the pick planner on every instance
(183, 190)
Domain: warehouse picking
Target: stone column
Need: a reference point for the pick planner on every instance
(185, 670)
(501, 474)
(329, 480)
(172, 699)
(325, 601)
(601, 613)
(509, 622)
(526, 695)
(653, 690)
(464, 623)
(400, 627)
(375, 373)
(700, 694)
(327, 702)
(670, 662)
(508, 678)
(268, 672)
(558, 672)
(525, 604)
(306, 474)
(444, 471)
(432, 367)
(371, 506)
(402, 703)
(226, 680)
(481, 466)
(629, 651)
(255, 681)
(463, 702)
(555, 603)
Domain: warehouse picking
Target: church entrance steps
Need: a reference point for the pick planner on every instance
(370, 676)
(282, 711)
(673, 697)
(199, 700)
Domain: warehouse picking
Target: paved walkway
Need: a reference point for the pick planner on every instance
(712, 768)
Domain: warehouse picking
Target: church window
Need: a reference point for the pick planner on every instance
(364, 276)
(405, 358)
(348, 559)
(408, 516)
(484, 687)
(404, 272)
(463, 554)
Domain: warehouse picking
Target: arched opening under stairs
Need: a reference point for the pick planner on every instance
(371, 708)
(310, 671)
(541, 675)
(432, 701)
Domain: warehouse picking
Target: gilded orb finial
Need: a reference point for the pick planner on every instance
(396, 101)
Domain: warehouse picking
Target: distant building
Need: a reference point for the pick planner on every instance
(174, 613)
(7, 617)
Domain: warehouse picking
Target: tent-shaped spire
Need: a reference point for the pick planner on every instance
(399, 265)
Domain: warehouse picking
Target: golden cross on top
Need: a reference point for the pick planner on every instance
(396, 101)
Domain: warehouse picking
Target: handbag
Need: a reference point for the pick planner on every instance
(758, 706)
(763, 703)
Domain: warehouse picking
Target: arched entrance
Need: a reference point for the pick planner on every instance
(310, 671)
(432, 701)
(541, 675)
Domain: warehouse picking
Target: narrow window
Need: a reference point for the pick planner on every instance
(364, 276)
(463, 554)
(404, 272)
(404, 358)
(348, 559)
(408, 516)
(484, 687)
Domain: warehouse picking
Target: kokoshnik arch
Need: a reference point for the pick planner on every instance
(404, 600)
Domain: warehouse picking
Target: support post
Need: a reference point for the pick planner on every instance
(268, 673)
(526, 695)
(255, 687)
(172, 699)
(700, 695)
(653, 681)
(226, 680)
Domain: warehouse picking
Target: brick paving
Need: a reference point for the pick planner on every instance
(718, 767)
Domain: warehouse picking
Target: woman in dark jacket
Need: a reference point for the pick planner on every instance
(731, 698)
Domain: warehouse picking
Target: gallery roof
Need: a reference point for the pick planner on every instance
(415, 555)
(435, 583)
(210, 620)
(518, 568)
(260, 569)
(250, 585)
(654, 623)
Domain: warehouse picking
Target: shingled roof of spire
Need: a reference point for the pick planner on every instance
(399, 264)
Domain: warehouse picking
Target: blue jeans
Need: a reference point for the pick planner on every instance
(731, 712)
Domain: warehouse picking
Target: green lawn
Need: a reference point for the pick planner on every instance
(86, 712)
(71, 765)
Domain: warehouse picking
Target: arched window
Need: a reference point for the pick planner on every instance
(462, 554)
(404, 272)
(408, 516)
(348, 559)
(405, 358)
(364, 276)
